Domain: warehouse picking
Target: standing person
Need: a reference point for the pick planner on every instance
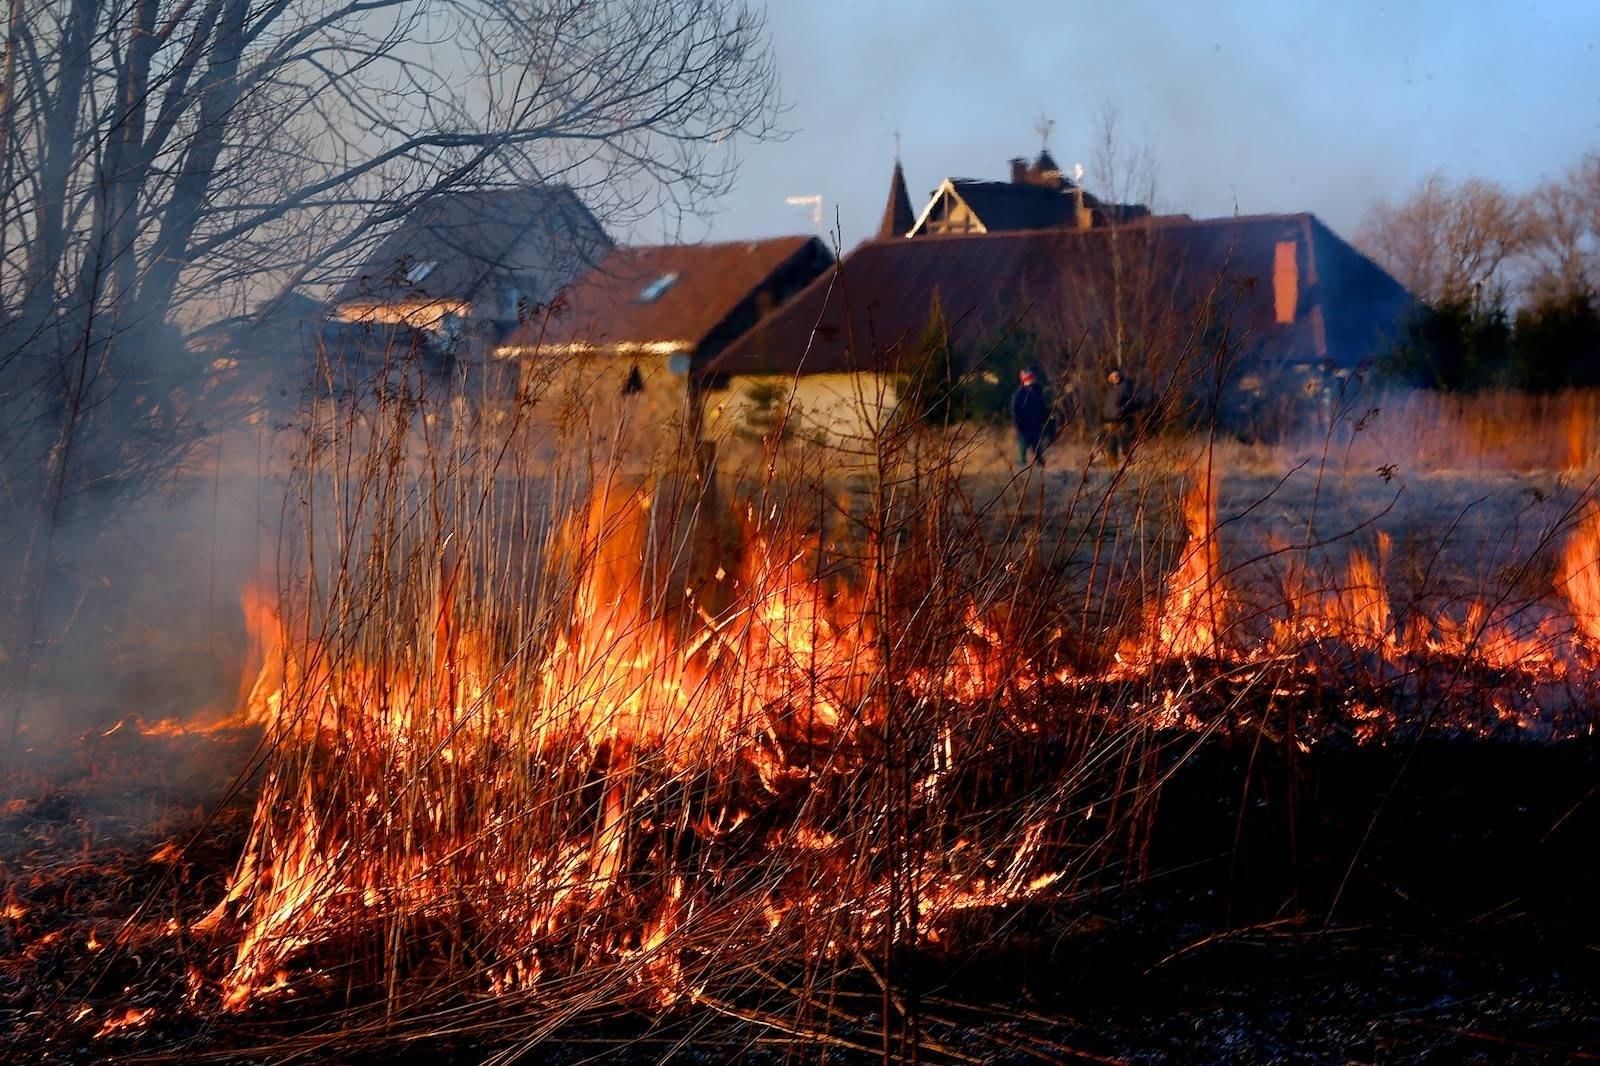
(1116, 415)
(1030, 410)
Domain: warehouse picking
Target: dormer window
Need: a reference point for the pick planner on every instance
(653, 291)
(419, 271)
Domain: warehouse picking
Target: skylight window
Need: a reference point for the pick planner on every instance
(420, 270)
(652, 292)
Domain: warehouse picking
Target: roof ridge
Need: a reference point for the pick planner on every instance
(1145, 223)
(794, 237)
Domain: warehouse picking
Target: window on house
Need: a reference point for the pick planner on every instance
(420, 271)
(652, 292)
(1285, 282)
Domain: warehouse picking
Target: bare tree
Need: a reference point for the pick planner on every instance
(162, 159)
(162, 155)
(1449, 243)
(1125, 172)
(1119, 281)
(1563, 232)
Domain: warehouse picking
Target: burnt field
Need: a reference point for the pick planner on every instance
(1175, 762)
(1426, 897)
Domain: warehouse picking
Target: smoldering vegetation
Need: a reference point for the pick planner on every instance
(525, 753)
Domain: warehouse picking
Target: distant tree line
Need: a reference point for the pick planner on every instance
(1507, 283)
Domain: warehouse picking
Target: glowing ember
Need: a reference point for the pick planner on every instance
(131, 1018)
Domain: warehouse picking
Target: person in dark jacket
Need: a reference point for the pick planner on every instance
(1030, 412)
(1117, 409)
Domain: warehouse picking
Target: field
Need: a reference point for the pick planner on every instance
(1230, 754)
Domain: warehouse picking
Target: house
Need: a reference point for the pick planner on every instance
(452, 279)
(270, 362)
(1179, 303)
(1038, 196)
(632, 336)
(475, 257)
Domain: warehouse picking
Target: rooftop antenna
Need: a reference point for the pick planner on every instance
(814, 201)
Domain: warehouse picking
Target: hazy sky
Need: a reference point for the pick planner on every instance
(1263, 105)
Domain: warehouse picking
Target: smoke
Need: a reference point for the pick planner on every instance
(136, 611)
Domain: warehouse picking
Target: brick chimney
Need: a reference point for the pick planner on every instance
(1019, 171)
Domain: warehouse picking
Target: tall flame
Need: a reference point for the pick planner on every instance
(1578, 576)
(524, 785)
(1192, 616)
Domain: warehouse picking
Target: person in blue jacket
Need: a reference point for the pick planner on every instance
(1030, 413)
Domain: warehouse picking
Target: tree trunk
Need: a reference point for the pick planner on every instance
(61, 143)
(219, 94)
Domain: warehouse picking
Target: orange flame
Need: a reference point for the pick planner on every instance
(1192, 617)
(626, 693)
(1578, 576)
(449, 773)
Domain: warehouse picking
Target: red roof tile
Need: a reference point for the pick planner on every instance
(676, 294)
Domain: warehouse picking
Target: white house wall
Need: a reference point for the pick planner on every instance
(845, 410)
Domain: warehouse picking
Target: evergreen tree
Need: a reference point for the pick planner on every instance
(1455, 347)
(1557, 343)
(936, 393)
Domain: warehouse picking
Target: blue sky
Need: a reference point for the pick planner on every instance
(1263, 105)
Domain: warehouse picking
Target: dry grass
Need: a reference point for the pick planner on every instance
(591, 741)
(588, 741)
(560, 733)
(1479, 433)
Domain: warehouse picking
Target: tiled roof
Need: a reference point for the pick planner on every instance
(453, 244)
(670, 295)
(1062, 284)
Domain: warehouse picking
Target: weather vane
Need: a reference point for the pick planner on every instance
(1043, 127)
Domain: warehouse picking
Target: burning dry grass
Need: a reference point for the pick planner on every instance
(658, 748)
(572, 743)
(674, 778)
